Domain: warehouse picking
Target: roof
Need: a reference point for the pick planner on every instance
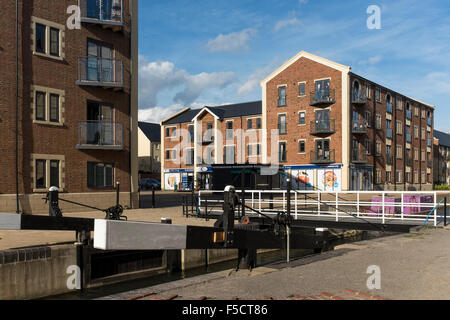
(151, 130)
(222, 112)
(310, 56)
(444, 138)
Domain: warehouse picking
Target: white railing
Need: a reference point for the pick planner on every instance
(384, 206)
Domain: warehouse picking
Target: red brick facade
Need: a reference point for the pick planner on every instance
(60, 74)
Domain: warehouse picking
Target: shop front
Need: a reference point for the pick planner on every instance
(313, 178)
(179, 179)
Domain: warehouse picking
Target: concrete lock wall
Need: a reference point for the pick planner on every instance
(36, 272)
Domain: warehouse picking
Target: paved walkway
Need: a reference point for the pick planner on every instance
(413, 266)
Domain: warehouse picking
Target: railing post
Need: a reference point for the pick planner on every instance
(445, 212)
(296, 207)
(435, 211)
(383, 208)
(337, 207)
(260, 204)
(403, 207)
(357, 204)
(284, 201)
(318, 202)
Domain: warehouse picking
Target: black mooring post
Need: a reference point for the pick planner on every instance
(288, 181)
(153, 198)
(271, 194)
(53, 199)
(118, 193)
(243, 192)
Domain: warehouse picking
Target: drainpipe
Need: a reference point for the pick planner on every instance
(17, 108)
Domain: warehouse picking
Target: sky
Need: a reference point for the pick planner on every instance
(210, 52)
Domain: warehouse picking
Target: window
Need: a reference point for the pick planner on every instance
(423, 177)
(368, 118)
(54, 42)
(47, 172)
(282, 151)
(416, 154)
(282, 124)
(167, 132)
(378, 94)
(423, 155)
(229, 155)
(398, 176)
(378, 121)
(423, 134)
(100, 175)
(249, 124)
(378, 148)
(378, 179)
(254, 150)
(302, 89)
(388, 176)
(47, 105)
(191, 134)
(258, 123)
(302, 118)
(171, 154)
(302, 146)
(40, 38)
(47, 38)
(399, 127)
(416, 132)
(399, 104)
(416, 111)
(399, 152)
(174, 132)
(190, 156)
(229, 130)
(40, 106)
(367, 145)
(282, 96)
(209, 132)
(416, 177)
(423, 114)
(41, 174)
(407, 177)
(368, 91)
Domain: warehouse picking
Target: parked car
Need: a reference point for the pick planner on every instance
(148, 184)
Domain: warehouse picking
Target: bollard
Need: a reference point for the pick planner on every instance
(166, 220)
(53, 197)
(445, 212)
(153, 198)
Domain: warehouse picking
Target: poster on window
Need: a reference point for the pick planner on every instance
(171, 180)
(302, 180)
(329, 179)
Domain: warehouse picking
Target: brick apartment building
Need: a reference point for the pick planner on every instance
(76, 102)
(339, 131)
(441, 157)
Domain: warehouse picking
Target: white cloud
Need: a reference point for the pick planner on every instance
(232, 42)
(163, 76)
(302, 1)
(293, 22)
(157, 114)
(253, 81)
(372, 60)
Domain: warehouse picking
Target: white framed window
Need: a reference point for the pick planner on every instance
(47, 172)
(47, 105)
(378, 94)
(399, 152)
(302, 118)
(378, 179)
(302, 89)
(399, 176)
(399, 128)
(301, 146)
(48, 38)
(100, 175)
(282, 96)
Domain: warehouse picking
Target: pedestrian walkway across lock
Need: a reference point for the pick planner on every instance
(381, 207)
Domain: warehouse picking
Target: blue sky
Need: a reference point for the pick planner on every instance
(196, 53)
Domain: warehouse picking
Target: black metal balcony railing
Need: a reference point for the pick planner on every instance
(408, 161)
(322, 97)
(323, 127)
(359, 155)
(99, 135)
(408, 114)
(389, 107)
(389, 133)
(93, 71)
(323, 157)
(359, 97)
(107, 12)
(359, 127)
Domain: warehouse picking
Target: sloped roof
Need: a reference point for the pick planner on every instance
(444, 138)
(222, 112)
(151, 130)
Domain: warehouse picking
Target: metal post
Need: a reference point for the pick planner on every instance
(243, 192)
(153, 197)
(445, 212)
(118, 193)
(337, 207)
(384, 220)
(403, 207)
(288, 231)
(53, 199)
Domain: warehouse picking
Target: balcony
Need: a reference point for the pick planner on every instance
(322, 97)
(408, 161)
(323, 157)
(108, 13)
(323, 127)
(359, 97)
(430, 163)
(389, 133)
(359, 156)
(429, 143)
(359, 127)
(408, 114)
(389, 108)
(100, 72)
(99, 135)
(408, 138)
(430, 122)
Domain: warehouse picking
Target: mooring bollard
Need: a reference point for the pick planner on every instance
(153, 198)
(53, 199)
(118, 193)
